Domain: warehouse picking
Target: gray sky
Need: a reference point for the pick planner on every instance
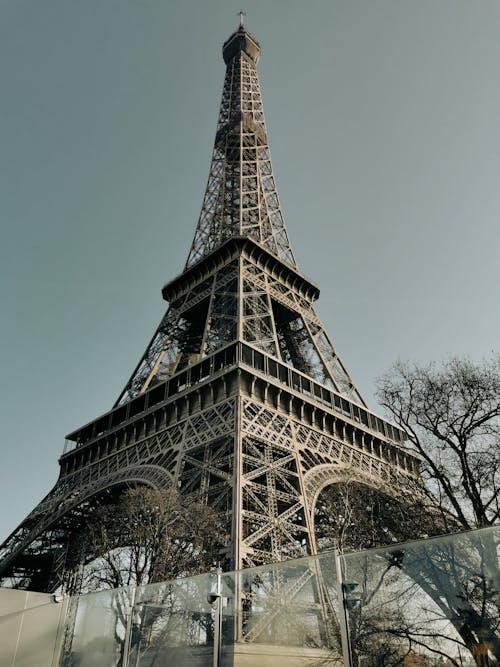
(383, 118)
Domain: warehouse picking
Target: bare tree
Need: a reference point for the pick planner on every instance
(143, 536)
(148, 535)
(451, 415)
(352, 516)
(386, 617)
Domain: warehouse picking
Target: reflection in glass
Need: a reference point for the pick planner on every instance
(431, 602)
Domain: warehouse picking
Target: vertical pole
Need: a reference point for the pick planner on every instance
(343, 616)
(128, 629)
(217, 623)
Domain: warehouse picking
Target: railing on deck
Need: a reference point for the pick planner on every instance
(209, 367)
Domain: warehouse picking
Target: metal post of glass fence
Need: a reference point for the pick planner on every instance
(128, 629)
(215, 599)
(343, 614)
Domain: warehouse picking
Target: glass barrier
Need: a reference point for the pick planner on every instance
(173, 623)
(426, 603)
(431, 602)
(289, 604)
(99, 629)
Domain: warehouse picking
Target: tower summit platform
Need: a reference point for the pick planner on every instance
(241, 40)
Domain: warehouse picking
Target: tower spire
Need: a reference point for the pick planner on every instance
(241, 197)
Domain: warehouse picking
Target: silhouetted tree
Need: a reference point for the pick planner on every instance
(451, 415)
(144, 536)
(353, 516)
(148, 535)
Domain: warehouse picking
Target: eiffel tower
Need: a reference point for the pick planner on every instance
(240, 397)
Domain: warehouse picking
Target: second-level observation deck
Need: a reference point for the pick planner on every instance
(299, 396)
(230, 250)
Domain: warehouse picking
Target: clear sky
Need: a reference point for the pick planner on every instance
(383, 119)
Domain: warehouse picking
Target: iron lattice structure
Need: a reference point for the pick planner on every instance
(240, 397)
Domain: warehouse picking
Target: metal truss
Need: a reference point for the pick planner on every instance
(240, 397)
(227, 439)
(242, 300)
(286, 464)
(241, 197)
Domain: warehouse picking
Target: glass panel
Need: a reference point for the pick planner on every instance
(287, 608)
(100, 627)
(431, 602)
(173, 623)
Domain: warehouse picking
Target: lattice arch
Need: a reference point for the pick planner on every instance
(153, 476)
(149, 475)
(327, 474)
